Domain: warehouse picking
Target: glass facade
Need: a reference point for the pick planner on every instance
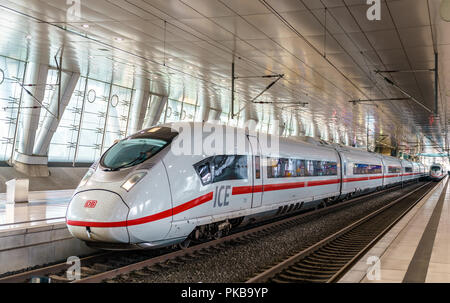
(12, 72)
(97, 114)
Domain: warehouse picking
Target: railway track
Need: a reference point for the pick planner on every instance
(327, 260)
(108, 265)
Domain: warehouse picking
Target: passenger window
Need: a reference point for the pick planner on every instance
(318, 169)
(366, 169)
(257, 167)
(285, 168)
(300, 168)
(230, 168)
(360, 169)
(330, 168)
(393, 169)
(204, 171)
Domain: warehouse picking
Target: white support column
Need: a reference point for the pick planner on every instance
(213, 115)
(243, 117)
(31, 109)
(139, 105)
(296, 126)
(22, 160)
(156, 109)
(50, 123)
(205, 113)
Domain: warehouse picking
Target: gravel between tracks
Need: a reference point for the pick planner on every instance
(240, 261)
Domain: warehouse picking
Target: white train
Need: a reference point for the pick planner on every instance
(140, 194)
(436, 172)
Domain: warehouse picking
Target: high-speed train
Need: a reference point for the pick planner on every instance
(436, 172)
(143, 194)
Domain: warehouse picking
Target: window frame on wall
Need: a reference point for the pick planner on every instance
(8, 140)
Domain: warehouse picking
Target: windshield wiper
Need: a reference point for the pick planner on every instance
(141, 157)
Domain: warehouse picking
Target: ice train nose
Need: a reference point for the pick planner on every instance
(98, 216)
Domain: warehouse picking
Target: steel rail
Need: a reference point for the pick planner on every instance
(264, 226)
(296, 258)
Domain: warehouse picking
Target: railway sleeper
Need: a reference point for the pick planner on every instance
(314, 267)
(332, 249)
(333, 254)
(339, 246)
(325, 257)
(319, 260)
(301, 271)
(58, 279)
(101, 267)
(310, 278)
(88, 271)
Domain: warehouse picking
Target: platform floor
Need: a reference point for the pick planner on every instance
(44, 207)
(415, 250)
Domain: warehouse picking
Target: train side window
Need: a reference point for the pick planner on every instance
(366, 169)
(393, 169)
(408, 169)
(229, 168)
(374, 169)
(309, 171)
(330, 168)
(300, 168)
(290, 170)
(272, 167)
(318, 169)
(360, 169)
(257, 167)
(203, 170)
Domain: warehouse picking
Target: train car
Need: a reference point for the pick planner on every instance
(392, 171)
(362, 171)
(436, 172)
(421, 170)
(407, 171)
(416, 171)
(143, 193)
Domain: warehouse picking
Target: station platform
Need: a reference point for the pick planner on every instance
(415, 250)
(35, 233)
(44, 207)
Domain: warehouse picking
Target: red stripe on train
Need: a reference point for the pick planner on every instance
(158, 216)
(323, 182)
(356, 179)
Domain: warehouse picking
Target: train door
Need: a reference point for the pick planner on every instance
(384, 167)
(341, 172)
(257, 175)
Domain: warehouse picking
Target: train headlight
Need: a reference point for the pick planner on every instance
(132, 181)
(86, 177)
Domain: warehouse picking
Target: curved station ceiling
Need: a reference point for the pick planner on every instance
(346, 79)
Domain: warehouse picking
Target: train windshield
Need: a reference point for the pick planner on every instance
(435, 168)
(137, 148)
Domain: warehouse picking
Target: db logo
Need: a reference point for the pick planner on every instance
(90, 203)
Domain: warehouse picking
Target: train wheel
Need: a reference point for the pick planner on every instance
(185, 244)
(218, 235)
